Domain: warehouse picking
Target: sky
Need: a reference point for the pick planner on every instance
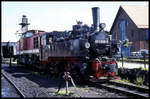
(60, 16)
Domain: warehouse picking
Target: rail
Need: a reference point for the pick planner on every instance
(127, 89)
(17, 89)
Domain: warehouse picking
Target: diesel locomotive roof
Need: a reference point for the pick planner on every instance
(33, 31)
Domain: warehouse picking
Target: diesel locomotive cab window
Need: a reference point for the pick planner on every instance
(36, 42)
(29, 34)
(49, 39)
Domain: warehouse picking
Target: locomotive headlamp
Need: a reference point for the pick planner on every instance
(102, 25)
(87, 45)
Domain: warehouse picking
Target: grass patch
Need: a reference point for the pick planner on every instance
(138, 81)
(63, 93)
(124, 81)
(35, 73)
(142, 68)
(85, 87)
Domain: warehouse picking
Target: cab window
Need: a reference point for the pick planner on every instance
(29, 34)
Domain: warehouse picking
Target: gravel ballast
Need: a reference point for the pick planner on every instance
(37, 86)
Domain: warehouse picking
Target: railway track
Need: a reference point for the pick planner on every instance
(128, 89)
(20, 93)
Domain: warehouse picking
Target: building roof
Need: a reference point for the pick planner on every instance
(138, 14)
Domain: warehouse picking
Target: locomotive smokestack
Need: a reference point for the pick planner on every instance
(96, 18)
(24, 24)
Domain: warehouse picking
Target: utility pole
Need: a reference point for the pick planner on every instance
(9, 52)
(121, 47)
(122, 56)
(10, 56)
(144, 62)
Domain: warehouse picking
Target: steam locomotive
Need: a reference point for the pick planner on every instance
(86, 52)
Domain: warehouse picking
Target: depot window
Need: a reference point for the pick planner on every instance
(147, 34)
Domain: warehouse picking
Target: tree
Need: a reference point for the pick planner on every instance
(124, 44)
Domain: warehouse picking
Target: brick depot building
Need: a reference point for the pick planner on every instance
(132, 22)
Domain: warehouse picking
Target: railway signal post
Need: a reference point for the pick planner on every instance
(67, 78)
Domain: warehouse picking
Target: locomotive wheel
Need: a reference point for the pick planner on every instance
(56, 68)
(77, 76)
(53, 69)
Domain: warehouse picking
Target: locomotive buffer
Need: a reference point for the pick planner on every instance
(67, 78)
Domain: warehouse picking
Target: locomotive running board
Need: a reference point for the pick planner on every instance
(66, 59)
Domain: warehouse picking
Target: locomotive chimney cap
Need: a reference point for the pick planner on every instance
(94, 7)
(23, 15)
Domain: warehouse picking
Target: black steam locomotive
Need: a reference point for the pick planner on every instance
(88, 51)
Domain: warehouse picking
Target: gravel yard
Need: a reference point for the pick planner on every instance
(37, 86)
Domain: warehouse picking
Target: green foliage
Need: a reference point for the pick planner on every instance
(35, 73)
(139, 81)
(126, 81)
(144, 69)
(85, 87)
(125, 43)
(61, 93)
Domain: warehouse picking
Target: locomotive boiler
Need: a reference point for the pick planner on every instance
(86, 52)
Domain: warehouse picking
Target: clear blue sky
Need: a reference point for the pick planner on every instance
(59, 16)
